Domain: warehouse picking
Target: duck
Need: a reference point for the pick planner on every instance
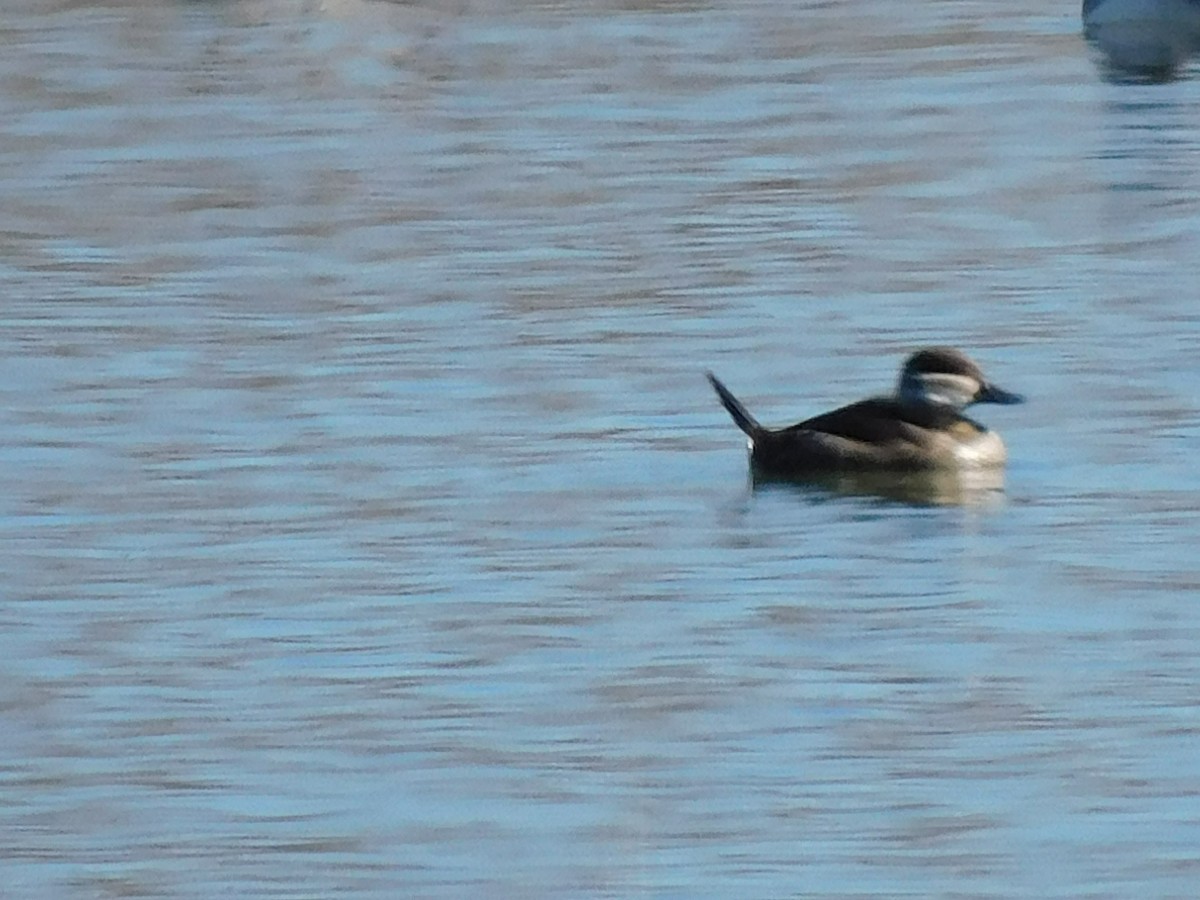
(921, 426)
(1143, 39)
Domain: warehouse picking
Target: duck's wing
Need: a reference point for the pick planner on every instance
(870, 434)
(878, 421)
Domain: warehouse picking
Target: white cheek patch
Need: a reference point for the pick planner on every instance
(955, 391)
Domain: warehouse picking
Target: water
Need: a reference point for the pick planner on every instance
(370, 530)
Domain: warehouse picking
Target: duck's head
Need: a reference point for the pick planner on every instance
(945, 378)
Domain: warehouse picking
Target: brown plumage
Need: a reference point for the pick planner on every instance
(920, 427)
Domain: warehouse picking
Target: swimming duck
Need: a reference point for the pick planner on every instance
(1143, 38)
(919, 427)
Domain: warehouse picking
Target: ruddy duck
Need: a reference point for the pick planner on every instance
(1143, 39)
(920, 427)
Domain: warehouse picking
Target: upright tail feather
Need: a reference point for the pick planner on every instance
(734, 407)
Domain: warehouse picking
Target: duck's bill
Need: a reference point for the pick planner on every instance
(992, 394)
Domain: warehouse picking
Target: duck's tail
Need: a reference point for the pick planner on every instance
(733, 406)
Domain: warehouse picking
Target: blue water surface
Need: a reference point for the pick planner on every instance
(370, 530)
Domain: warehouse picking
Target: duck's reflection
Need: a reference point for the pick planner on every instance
(1143, 40)
(952, 487)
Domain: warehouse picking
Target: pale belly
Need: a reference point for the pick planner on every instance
(981, 451)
